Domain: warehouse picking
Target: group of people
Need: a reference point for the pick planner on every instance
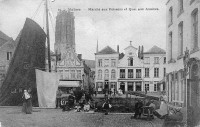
(150, 108)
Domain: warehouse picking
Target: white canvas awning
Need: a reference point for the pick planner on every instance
(68, 84)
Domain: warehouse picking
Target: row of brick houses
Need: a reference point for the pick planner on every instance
(183, 57)
(130, 72)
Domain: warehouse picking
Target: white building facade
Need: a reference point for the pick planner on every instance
(154, 69)
(183, 73)
(130, 71)
(106, 69)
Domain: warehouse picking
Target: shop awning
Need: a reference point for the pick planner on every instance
(68, 84)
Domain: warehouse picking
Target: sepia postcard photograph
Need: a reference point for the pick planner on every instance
(99, 63)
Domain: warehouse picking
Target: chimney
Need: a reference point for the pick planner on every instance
(142, 50)
(118, 48)
(80, 57)
(139, 52)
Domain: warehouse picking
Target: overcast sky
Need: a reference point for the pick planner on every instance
(144, 27)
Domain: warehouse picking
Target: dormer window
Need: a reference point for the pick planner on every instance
(130, 53)
(130, 61)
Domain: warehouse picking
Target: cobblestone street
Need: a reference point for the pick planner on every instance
(13, 117)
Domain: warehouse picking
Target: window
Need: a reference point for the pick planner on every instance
(9, 55)
(130, 86)
(195, 29)
(146, 60)
(164, 71)
(100, 74)
(146, 72)
(106, 74)
(78, 74)
(72, 74)
(113, 63)
(106, 63)
(170, 15)
(130, 61)
(147, 86)
(122, 73)
(170, 45)
(180, 4)
(99, 62)
(180, 36)
(156, 60)
(66, 74)
(138, 73)
(61, 74)
(113, 74)
(155, 86)
(130, 73)
(156, 72)
(164, 59)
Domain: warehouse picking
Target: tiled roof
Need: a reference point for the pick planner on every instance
(90, 63)
(107, 50)
(155, 50)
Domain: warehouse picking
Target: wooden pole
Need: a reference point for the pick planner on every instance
(48, 39)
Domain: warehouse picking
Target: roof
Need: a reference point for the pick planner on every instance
(131, 47)
(155, 50)
(106, 50)
(3, 38)
(90, 63)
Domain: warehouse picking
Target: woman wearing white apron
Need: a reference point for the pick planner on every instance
(163, 110)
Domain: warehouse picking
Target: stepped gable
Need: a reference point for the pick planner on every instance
(106, 50)
(155, 50)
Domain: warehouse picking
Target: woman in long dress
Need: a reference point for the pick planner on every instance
(27, 104)
(163, 110)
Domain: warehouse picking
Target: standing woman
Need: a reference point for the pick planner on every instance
(27, 106)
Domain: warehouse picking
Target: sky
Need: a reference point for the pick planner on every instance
(127, 22)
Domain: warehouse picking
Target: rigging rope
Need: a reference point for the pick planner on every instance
(37, 10)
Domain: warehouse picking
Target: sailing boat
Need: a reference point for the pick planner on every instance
(29, 55)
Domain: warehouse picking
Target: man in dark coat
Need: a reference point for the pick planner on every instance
(106, 106)
(138, 109)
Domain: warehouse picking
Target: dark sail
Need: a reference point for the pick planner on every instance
(29, 54)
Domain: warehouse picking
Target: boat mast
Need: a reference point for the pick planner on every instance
(48, 39)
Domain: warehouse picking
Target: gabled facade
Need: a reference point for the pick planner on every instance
(154, 69)
(70, 69)
(130, 71)
(106, 69)
(7, 48)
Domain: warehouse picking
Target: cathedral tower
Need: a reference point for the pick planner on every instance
(65, 31)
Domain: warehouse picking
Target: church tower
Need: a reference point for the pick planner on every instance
(65, 31)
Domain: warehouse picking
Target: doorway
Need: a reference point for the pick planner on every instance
(122, 87)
